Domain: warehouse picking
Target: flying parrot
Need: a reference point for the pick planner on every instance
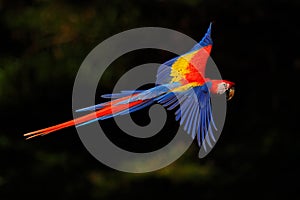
(181, 84)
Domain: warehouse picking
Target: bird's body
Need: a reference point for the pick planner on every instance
(181, 84)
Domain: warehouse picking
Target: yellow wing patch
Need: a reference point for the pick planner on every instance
(180, 66)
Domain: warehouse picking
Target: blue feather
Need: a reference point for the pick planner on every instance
(194, 112)
(123, 93)
(206, 40)
(164, 71)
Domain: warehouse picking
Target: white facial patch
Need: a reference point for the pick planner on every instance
(222, 87)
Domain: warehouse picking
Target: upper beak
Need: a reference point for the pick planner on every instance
(230, 93)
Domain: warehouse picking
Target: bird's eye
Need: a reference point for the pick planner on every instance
(229, 93)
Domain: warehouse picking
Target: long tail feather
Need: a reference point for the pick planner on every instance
(135, 101)
(108, 110)
(101, 105)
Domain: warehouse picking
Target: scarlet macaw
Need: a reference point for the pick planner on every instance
(180, 81)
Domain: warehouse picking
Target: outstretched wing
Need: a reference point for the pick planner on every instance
(188, 67)
(194, 112)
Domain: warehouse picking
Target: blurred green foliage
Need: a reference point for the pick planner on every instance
(42, 45)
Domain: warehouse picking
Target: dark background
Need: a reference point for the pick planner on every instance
(256, 45)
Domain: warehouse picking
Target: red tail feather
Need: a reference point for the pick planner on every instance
(108, 110)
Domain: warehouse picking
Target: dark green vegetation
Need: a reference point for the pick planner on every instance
(42, 45)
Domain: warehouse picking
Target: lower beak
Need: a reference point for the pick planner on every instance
(229, 93)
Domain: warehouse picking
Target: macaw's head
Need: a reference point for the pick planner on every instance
(221, 87)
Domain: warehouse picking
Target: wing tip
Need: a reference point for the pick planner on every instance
(206, 40)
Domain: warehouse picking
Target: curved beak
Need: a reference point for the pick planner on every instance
(230, 93)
